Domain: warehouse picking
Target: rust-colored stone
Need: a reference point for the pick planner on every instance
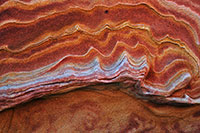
(98, 111)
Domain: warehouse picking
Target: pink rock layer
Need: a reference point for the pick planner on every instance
(50, 50)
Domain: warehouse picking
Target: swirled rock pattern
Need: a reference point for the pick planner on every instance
(52, 47)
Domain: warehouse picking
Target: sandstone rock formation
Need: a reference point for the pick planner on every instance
(99, 111)
(149, 48)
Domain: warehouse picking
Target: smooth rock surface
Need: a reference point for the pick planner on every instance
(98, 111)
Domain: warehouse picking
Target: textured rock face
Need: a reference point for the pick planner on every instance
(99, 111)
(152, 47)
(96, 51)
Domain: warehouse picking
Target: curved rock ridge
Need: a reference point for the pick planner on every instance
(77, 47)
(106, 57)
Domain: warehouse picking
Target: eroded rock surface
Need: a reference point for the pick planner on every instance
(99, 111)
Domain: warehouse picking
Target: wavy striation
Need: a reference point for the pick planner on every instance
(51, 49)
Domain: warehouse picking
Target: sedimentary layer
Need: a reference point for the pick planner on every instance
(50, 49)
